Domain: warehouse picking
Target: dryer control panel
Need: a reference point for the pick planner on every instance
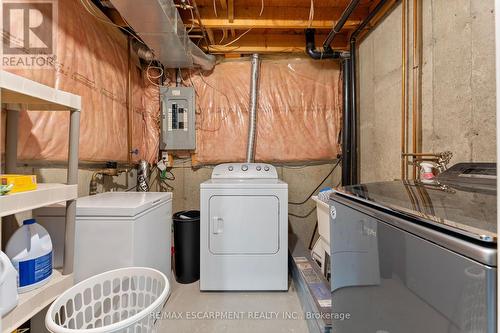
(245, 170)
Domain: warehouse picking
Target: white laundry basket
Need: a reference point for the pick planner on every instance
(122, 300)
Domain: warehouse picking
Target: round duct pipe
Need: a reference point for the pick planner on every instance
(252, 122)
(142, 51)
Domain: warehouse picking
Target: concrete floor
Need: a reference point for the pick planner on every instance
(187, 310)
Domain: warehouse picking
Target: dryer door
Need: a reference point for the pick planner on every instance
(244, 224)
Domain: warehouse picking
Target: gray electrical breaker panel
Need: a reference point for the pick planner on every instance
(178, 118)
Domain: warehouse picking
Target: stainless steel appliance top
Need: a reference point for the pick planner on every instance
(469, 211)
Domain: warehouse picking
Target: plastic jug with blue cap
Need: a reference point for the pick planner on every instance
(8, 285)
(30, 251)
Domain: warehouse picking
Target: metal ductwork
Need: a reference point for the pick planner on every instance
(252, 121)
(160, 26)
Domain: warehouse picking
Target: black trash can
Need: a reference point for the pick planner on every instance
(187, 246)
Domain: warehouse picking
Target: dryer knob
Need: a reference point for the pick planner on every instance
(258, 168)
(230, 168)
(244, 167)
(266, 168)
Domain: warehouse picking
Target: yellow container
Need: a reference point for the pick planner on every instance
(22, 183)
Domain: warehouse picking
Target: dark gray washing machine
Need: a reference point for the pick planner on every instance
(411, 257)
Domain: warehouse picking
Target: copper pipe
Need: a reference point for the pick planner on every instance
(416, 91)
(103, 172)
(421, 159)
(404, 99)
(129, 100)
(421, 154)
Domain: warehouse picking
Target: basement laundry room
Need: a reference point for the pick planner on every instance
(322, 166)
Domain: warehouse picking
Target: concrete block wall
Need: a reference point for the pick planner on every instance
(458, 86)
(121, 182)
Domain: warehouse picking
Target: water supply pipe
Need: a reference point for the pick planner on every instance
(252, 121)
(404, 89)
(417, 83)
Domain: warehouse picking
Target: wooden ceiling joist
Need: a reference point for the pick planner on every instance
(244, 26)
(289, 3)
(230, 11)
(271, 43)
(277, 18)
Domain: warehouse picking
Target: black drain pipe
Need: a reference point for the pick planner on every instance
(340, 23)
(350, 147)
(349, 176)
(326, 53)
(346, 130)
(352, 127)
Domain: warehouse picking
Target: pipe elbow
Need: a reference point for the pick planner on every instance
(325, 53)
(311, 52)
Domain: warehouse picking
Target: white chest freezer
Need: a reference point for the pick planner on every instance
(122, 229)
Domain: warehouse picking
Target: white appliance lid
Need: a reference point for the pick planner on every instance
(120, 203)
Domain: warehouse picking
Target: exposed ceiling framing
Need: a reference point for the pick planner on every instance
(269, 26)
(234, 27)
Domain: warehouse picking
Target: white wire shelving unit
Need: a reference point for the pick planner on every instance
(18, 93)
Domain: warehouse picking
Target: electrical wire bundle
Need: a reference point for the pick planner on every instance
(312, 193)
